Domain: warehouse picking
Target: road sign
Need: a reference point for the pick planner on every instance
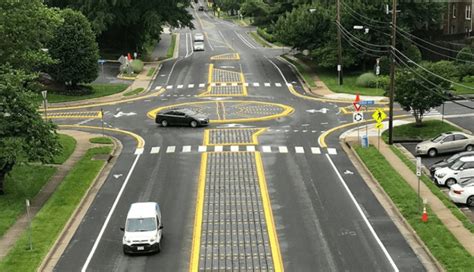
(379, 115)
(418, 166)
(357, 117)
(44, 94)
(356, 103)
(379, 125)
(366, 102)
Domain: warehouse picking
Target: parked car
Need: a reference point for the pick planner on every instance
(446, 142)
(201, 8)
(463, 194)
(460, 172)
(449, 161)
(198, 37)
(183, 117)
(143, 228)
(198, 46)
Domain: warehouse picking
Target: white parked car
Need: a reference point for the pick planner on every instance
(461, 171)
(198, 37)
(463, 194)
(143, 229)
(198, 46)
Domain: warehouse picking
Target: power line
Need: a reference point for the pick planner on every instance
(355, 46)
(363, 16)
(362, 41)
(364, 22)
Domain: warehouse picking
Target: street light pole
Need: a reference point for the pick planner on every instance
(339, 41)
(392, 71)
(45, 102)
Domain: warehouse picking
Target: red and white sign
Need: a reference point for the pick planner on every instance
(356, 103)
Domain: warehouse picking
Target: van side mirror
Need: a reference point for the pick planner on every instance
(161, 227)
(122, 229)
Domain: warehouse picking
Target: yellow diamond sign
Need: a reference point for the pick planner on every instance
(379, 115)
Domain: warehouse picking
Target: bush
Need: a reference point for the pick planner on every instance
(367, 80)
(384, 65)
(468, 79)
(413, 53)
(264, 34)
(137, 66)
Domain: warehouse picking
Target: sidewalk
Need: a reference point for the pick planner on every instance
(14, 232)
(161, 49)
(464, 236)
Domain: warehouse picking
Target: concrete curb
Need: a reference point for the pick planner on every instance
(59, 246)
(415, 242)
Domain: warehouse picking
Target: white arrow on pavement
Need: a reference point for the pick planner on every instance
(347, 172)
(323, 110)
(117, 176)
(120, 114)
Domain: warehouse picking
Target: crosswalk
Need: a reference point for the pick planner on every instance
(216, 84)
(237, 148)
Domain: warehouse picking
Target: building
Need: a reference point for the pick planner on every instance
(458, 18)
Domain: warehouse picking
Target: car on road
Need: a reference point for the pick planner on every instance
(198, 37)
(183, 117)
(463, 194)
(449, 161)
(446, 142)
(198, 46)
(460, 172)
(143, 230)
(201, 8)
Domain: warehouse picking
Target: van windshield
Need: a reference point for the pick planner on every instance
(457, 165)
(141, 224)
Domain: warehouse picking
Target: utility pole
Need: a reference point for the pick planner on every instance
(339, 53)
(392, 71)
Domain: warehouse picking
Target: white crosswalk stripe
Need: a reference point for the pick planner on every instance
(202, 85)
(332, 151)
(256, 84)
(267, 84)
(157, 87)
(315, 150)
(202, 148)
(234, 148)
(139, 151)
(238, 148)
(213, 84)
(218, 148)
(171, 149)
(246, 84)
(266, 149)
(289, 84)
(186, 148)
(234, 84)
(278, 84)
(283, 149)
(250, 148)
(180, 86)
(169, 87)
(299, 149)
(155, 150)
(191, 86)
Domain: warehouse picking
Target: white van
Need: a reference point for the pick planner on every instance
(461, 171)
(143, 229)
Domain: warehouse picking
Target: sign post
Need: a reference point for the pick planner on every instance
(29, 223)
(45, 104)
(418, 175)
(102, 120)
(379, 116)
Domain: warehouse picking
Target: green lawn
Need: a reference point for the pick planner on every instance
(439, 240)
(305, 71)
(24, 182)
(50, 220)
(259, 39)
(169, 53)
(69, 144)
(98, 90)
(348, 86)
(463, 90)
(101, 140)
(151, 72)
(428, 130)
(134, 92)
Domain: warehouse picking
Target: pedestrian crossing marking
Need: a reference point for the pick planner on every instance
(155, 150)
(191, 86)
(256, 84)
(171, 149)
(234, 148)
(186, 148)
(139, 151)
(278, 84)
(180, 86)
(283, 149)
(202, 148)
(267, 84)
(332, 151)
(169, 87)
(202, 85)
(218, 148)
(299, 149)
(266, 149)
(315, 150)
(157, 87)
(250, 148)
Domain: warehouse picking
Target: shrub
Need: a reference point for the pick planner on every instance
(413, 53)
(367, 80)
(468, 79)
(264, 34)
(384, 65)
(137, 66)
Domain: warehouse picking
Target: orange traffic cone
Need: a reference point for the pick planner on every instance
(424, 217)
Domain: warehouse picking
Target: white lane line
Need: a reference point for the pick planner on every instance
(283, 149)
(266, 84)
(202, 85)
(171, 149)
(244, 40)
(359, 209)
(180, 86)
(250, 148)
(104, 226)
(169, 87)
(332, 151)
(299, 149)
(266, 149)
(202, 148)
(155, 150)
(218, 148)
(190, 85)
(187, 48)
(315, 150)
(186, 148)
(139, 151)
(234, 148)
(256, 84)
(278, 84)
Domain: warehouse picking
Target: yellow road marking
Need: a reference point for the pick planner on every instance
(211, 68)
(74, 115)
(256, 134)
(138, 138)
(267, 208)
(217, 110)
(223, 110)
(206, 137)
(195, 251)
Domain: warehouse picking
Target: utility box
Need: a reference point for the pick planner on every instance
(364, 141)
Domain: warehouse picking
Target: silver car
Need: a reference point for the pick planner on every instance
(446, 142)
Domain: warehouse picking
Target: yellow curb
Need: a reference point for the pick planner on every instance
(287, 110)
(138, 138)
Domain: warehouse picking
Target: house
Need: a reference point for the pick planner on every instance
(458, 18)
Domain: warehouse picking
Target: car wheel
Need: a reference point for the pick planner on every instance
(432, 152)
(469, 148)
(164, 123)
(450, 182)
(470, 201)
(193, 123)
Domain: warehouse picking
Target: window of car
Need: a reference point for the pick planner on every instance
(468, 165)
(449, 138)
(178, 113)
(438, 138)
(458, 137)
(457, 165)
(454, 157)
(140, 224)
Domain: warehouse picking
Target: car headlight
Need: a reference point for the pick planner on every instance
(441, 175)
(152, 240)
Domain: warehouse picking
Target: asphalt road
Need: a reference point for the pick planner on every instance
(300, 207)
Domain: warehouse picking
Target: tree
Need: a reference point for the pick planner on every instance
(75, 49)
(257, 9)
(465, 62)
(25, 28)
(414, 93)
(24, 136)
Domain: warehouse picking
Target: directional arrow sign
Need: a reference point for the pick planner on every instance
(357, 117)
(323, 110)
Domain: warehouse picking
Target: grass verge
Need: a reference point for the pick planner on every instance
(134, 92)
(23, 182)
(259, 39)
(439, 240)
(151, 72)
(98, 90)
(170, 52)
(463, 90)
(428, 130)
(101, 140)
(69, 144)
(50, 220)
(304, 70)
(436, 191)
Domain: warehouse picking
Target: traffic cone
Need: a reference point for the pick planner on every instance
(424, 217)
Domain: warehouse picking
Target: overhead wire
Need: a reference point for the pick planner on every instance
(363, 16)
(361, 48)
(343, 29)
